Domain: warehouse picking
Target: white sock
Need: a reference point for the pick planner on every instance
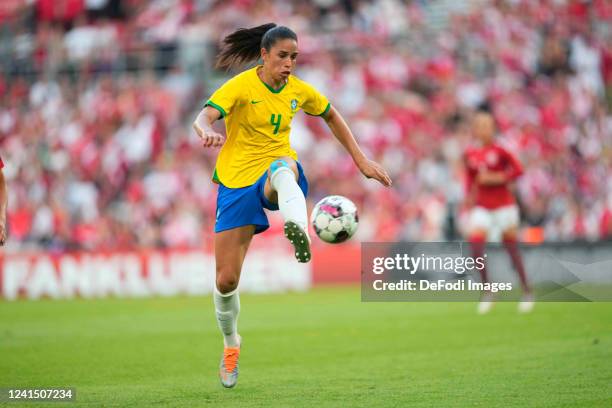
(291, 200)
(227, 307)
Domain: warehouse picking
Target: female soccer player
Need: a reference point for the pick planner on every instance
(490, 171)
(256, 167)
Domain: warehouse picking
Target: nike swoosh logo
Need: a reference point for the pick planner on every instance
(254, 102)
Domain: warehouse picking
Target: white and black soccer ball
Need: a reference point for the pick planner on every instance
(334, 219)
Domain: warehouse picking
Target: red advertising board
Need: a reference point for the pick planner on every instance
(165, 273)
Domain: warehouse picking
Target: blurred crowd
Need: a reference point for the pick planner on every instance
(98, 96)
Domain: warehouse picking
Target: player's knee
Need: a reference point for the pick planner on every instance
(226, 284)
(227, 280)
(510, 235)
(283, 164)
(478, 236)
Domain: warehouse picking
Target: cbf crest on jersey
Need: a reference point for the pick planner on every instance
(294, 103)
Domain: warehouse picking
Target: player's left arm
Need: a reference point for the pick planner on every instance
(342, 132)
(513, 170)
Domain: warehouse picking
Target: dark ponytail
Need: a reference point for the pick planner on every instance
(244, 45)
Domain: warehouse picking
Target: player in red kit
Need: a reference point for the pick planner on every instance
(490, 171)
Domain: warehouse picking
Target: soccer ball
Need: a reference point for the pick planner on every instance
(334, 219)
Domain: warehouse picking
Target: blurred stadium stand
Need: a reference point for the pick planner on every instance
(97, 99)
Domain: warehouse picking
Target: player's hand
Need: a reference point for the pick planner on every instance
(209, 137)
(2, 233)
(371, 169)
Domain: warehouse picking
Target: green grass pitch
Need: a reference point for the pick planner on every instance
(323, 348)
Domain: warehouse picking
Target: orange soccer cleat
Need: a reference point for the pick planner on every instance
(228, 369)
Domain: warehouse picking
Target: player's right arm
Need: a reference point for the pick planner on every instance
(203, 127)
(220, 105)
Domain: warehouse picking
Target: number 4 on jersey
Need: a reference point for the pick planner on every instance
(276, 122)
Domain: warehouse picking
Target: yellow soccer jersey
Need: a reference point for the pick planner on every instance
(258, 121)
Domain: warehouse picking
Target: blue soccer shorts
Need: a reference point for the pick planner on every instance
(237, 207)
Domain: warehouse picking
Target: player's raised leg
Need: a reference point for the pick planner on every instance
(230, 249)
(282, 187)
